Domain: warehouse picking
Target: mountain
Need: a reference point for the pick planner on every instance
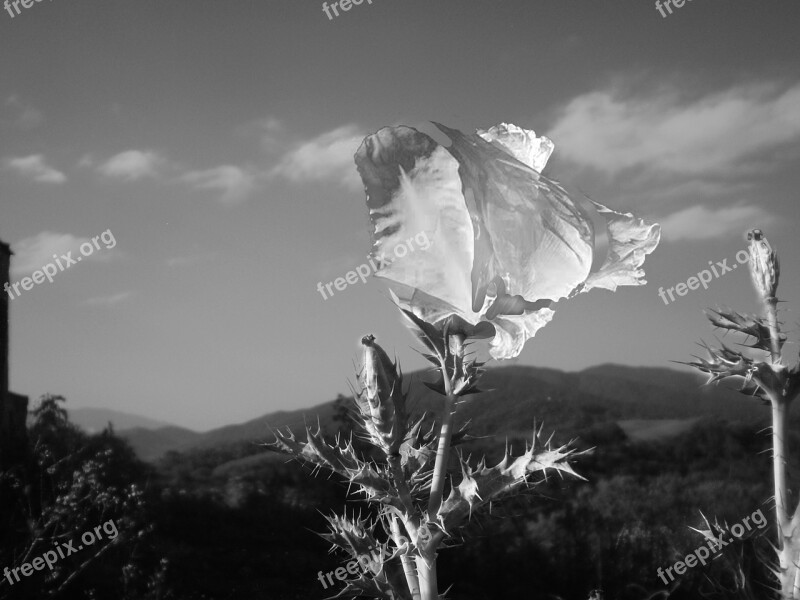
(93, 420)
(520, 396)
(151, 444)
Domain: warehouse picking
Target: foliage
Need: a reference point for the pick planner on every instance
(73, 483)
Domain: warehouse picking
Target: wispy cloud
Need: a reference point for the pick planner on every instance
(86, 161)
(107, 300)
(662, 132)
(36, 168)
(702, 223)
(132, 165)
(34, 252)
(269, 131)
(235, 183)
(327, 157)
(20, 114)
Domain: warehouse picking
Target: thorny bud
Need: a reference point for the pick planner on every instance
(764, 267)
(381, 401)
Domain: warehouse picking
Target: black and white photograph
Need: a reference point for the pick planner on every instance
(399, 300)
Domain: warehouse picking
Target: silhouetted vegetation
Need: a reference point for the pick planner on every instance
(237, 523)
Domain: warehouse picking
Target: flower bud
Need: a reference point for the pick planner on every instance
(382, 402)
(764, 267)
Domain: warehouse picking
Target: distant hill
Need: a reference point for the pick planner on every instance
(257, 430)
(151, 444)
(520, 396)
(93, 420)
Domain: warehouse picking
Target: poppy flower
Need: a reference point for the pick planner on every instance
(505, 241)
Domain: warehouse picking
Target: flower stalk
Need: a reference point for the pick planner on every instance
(446, 433)
(771, 381)
(415, 514)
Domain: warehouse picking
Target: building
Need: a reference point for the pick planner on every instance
(13, 407)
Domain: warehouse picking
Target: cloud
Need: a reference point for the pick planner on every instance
(21, 115)
(271, 133)
(132, 165)
(235, 183)
(107, 300)
(35, 167)
(716, 134)
(86, 161)
(327, 157)
(701, 223)
(34, 252)
(268, 131)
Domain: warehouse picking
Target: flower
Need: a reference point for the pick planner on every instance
(506, 241)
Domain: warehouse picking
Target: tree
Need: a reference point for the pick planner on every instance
(79, 485)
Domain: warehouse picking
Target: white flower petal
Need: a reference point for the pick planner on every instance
(413, 189)
(529, 232)
(520, 143)
(631, 239)
(512, 331)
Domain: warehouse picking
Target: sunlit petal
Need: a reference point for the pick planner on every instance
(520, 143)
(413, 187)
(631, 239)
(512, 331)
(529, 232)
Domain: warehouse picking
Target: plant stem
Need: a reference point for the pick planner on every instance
(442, 455)
(446, 432)
(426, 568)
(787, 555)
(410, 520)
(426, 561)
(396, 468)
(407, 562)
(772, 320)
(787, 552)
(779, 461)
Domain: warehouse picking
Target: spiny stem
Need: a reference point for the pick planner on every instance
(787, 555)
(442, 455)
(446, 432)
(408, 564)
(410, 517)
(779, 463)
(426, 560)
(774, 332)
(428, 584)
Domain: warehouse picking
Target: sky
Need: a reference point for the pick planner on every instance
(208, 146)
